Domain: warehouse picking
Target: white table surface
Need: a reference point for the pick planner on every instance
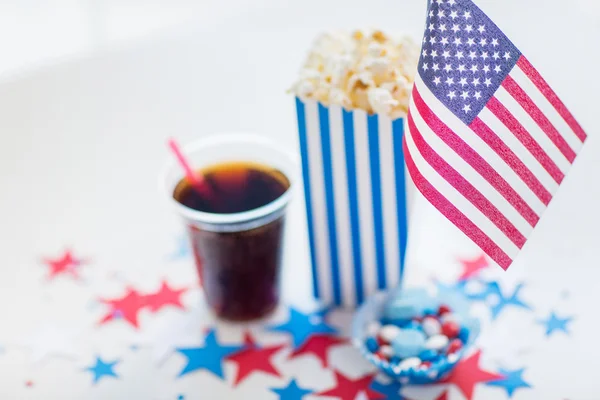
(82, 141)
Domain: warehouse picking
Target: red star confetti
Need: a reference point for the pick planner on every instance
(29, 384)
(253, 358)
(126, 307)
(166, 296)
(65, 264)
(443, 396)
(318, 345)
(471, 268)
(348, 389)
(467, 374)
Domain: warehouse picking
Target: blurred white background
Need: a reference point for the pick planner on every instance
(35, 32)
(90, 89)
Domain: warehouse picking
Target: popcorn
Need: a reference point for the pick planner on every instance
(360, 70)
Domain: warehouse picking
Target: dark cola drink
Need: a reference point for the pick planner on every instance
(238, 258)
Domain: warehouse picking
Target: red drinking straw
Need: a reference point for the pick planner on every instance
(196, 179)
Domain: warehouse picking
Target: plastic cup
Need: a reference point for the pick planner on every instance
(238, 256)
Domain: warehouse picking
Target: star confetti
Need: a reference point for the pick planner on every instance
(166, 296)
(291, 392)
(52, 340)
(554, 323)
(348, 389)
(499, 301)
(301, 326)
(391, 390)
(66, 264)
(208, 357)
(472, 268)
(253, 358)
(319, 346)
(443, 396)
(512, 381)
(467, 374)
(171, 332)
(102, 369)
(126, 307)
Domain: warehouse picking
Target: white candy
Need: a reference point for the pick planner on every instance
(412, 362)
(386, 351)
(437, 342)
(431, 327)
(373, 328)
(449, 317)
(389, 332)
(452, 358)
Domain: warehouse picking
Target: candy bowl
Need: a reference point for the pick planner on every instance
(413, 336)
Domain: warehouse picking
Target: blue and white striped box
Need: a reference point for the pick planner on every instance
(357, 200)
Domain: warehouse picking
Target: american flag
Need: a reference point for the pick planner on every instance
(488, 141)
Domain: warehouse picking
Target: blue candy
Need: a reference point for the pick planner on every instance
(408, 303)
(429, 311)
(408, 343)
(372, 344)
(429, 355)
(413, 325)
(463, 335)
(401, 309)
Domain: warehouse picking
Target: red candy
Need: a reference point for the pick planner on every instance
(444, 309)
(380, 341)
(381, 355)
(450, 329)
(454, 346)
(426, 364)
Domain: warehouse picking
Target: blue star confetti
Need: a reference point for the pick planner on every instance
(209, 356)
(390, 390)
(301, 326)
(291, 392)
(554, 323)
(513, 380)
(512, 300)
(102, 369)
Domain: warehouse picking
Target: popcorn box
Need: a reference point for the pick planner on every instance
(357, 200)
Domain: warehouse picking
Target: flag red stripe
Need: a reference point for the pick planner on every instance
(454, 215)
(538, 116)
(524, 137)
(464, 187)
(491, 139)
(474, 160)
(551, 96)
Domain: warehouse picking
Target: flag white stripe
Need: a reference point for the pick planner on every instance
(342, 210)
(470, 174)
(484, 150)
(365, 200)
(388, 189)
(546, 107)
(459, 201)
(317, 181)
(533, 128)
(522, 153)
